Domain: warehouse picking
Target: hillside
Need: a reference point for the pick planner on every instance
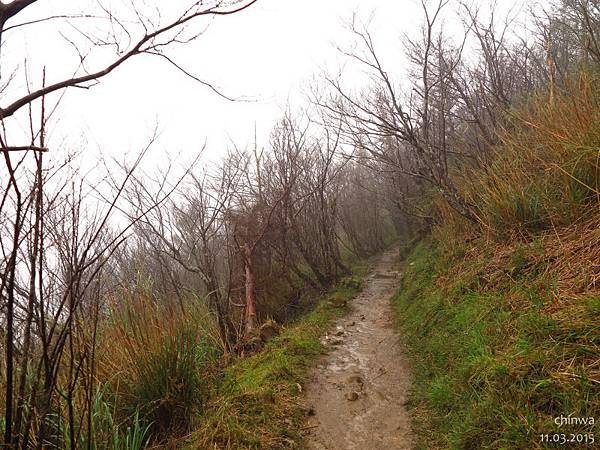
(498, 354)
(398, 248)
(502, 317)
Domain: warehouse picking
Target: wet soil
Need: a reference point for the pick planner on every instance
(358, 390)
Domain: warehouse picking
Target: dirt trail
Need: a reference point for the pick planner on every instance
(360, 387)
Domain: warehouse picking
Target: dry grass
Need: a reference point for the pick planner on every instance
(498, 350)
(546, 171)
(159, 363)
(569, 258)
(538, 204)
(505, 313)
(574, 258)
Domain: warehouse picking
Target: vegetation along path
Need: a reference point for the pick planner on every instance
(358, 390)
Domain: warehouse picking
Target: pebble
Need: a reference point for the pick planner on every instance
(336, 341)
(355, 379)
(351, 396)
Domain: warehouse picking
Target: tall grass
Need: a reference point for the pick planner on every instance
(155, 367)
(546, 171)
(107, 433)
(158, 363)
(503, 326)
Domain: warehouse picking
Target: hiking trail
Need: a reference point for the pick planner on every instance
(358, 390)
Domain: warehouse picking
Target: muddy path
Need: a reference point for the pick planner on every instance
(359, 388)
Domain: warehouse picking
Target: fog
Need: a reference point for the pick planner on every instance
(265, 58)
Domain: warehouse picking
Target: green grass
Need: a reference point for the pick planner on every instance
(171, 381)
(492, 366)
(257, 404)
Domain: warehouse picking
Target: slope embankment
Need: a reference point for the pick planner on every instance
(258, 402)
(505, 349)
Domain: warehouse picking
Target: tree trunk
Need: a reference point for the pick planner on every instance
(250, 311)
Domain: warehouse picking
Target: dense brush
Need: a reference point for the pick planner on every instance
(546, 170)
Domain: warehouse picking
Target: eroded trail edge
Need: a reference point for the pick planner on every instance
(359, 389)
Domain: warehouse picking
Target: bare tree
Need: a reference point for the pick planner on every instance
(407, 133)
(151, 36)
(58, 248)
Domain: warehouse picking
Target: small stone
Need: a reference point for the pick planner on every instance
(351, 396)
(355, 379)
(339, 333)
(351, 324)
(268, 329)
(337, 301)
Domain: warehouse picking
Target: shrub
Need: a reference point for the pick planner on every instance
(158, 363)
(170, 379)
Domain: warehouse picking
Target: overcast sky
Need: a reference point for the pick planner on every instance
(268, 53)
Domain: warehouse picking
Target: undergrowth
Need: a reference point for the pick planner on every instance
(156, 366)
(545, 169)
(502, 315)
(497, 355)
(257, 402)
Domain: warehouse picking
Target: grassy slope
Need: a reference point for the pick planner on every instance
(496, 357)
(257, 403)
